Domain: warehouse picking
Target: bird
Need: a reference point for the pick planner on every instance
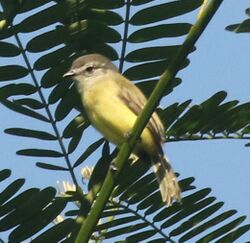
(112, 104)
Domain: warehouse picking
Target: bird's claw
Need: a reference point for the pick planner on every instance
(113, 166)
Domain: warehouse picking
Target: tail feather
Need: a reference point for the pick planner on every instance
(168, 183)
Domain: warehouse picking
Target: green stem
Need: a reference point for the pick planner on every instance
(199, 138)
(143, 218)
(48, 111)
(127, 147)
(125, 35)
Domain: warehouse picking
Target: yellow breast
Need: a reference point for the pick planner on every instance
(110, 115)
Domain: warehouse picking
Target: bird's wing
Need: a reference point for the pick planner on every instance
(136, 100)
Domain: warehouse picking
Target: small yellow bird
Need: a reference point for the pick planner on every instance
(112, 104)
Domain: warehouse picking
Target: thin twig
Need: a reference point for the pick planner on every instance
(125, 35)
(46, 107)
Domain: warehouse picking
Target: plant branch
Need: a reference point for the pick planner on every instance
(125, 35)
(52, 121)
(143, 218)
(127, 147)
(200, 137)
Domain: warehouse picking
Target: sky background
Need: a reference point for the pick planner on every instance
(221, 62)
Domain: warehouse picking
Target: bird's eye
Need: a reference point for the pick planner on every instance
(90, 69)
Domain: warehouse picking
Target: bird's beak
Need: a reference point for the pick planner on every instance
(70, 73)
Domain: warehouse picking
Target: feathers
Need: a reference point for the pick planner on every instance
(166, 178)
(112, 104)
(136, 101)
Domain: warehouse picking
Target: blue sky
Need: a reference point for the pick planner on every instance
(221, 62)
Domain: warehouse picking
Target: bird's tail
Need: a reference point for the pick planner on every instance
(166, 178)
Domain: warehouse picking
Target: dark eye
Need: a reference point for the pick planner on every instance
(90, 69)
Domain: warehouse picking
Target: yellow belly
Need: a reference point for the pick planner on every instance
(110, 116)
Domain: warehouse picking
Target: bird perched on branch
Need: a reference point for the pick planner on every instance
(112, 104)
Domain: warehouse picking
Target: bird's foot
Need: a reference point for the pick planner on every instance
(112, 166)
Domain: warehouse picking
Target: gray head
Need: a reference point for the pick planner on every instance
(90, 65)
